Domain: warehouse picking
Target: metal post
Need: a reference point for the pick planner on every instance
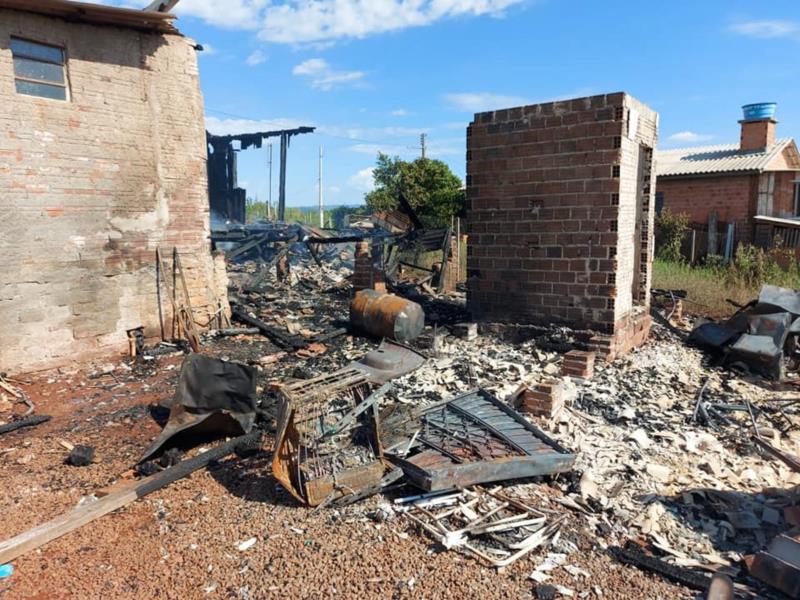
(422, 139)
(282, 182)
(321, 207)
(269, 196)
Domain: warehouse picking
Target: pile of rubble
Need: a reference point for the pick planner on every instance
(522, 448)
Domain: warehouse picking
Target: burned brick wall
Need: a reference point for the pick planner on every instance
(92, 185)
(560, 215)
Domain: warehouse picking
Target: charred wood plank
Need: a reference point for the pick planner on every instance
(653, 564)
(26, 422)
(280, 339)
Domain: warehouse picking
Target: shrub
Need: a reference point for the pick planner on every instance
(753, 267)
(671, 228)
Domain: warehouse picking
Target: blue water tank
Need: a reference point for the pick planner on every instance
(759, 111)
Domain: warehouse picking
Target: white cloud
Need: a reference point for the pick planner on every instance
(436, 148)
(368, 149)
(323, 22)
(314, 21)
(767, 29)
(372, 133)
(208, 50)
(482, 101)
(362, 181)
(256, 58)
(400, 112)
(237, 14)
(448, 147)
(689, 137)
(324, 77)
(235, 126)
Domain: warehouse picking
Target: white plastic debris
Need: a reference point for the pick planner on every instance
(247, 544)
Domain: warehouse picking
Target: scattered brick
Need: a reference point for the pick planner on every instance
(578, 363)
(546, 399)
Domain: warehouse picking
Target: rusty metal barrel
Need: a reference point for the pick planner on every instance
(386, 315)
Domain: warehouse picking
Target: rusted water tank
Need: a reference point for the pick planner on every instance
(386, 315)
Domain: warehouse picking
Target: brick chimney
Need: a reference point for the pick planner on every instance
(758, 127)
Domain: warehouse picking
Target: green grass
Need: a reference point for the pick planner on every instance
(706, 288)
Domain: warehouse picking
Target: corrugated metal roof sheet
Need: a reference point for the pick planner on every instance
(725, 158)
(97, 14)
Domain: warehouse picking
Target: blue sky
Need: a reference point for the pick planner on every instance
(374, 74)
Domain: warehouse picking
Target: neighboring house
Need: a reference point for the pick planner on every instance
(758, 176)
(102, 160)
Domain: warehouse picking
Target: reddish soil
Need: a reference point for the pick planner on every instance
(181, 542)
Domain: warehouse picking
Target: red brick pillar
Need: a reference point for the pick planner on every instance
(365, 275)
(579, 364)
(362, 268)
(546, 399)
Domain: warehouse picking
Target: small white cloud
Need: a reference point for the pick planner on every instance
(362, 181)
(256, 58)
(482, 101)
(235, 126)
(371, 133)
(324, 77)
(400, 112)
(208, 50)
(767, 29)
(237, 14)
(366, 148)
(689, 137)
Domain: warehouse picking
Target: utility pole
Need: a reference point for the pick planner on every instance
(422, 139)
(282, 182)
(321, 207)
(269, 196)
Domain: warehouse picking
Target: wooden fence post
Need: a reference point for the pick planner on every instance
(712, 233)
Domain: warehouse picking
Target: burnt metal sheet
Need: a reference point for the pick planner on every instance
(762, 348)
(712, 335)
(779, 565)
(474, 439)
(213, 398)
(391, 359)
(785, 299)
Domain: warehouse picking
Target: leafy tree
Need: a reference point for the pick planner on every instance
(340, 212)
(431, 188)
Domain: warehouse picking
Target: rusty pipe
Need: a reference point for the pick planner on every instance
(386, 315)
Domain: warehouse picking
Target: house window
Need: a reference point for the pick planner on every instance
(797, 198)
(659, 202)
(39, 69)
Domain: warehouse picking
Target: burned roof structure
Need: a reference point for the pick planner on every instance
(151, 19)
(227, 198)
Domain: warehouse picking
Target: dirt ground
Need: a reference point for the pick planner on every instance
(181, 542)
